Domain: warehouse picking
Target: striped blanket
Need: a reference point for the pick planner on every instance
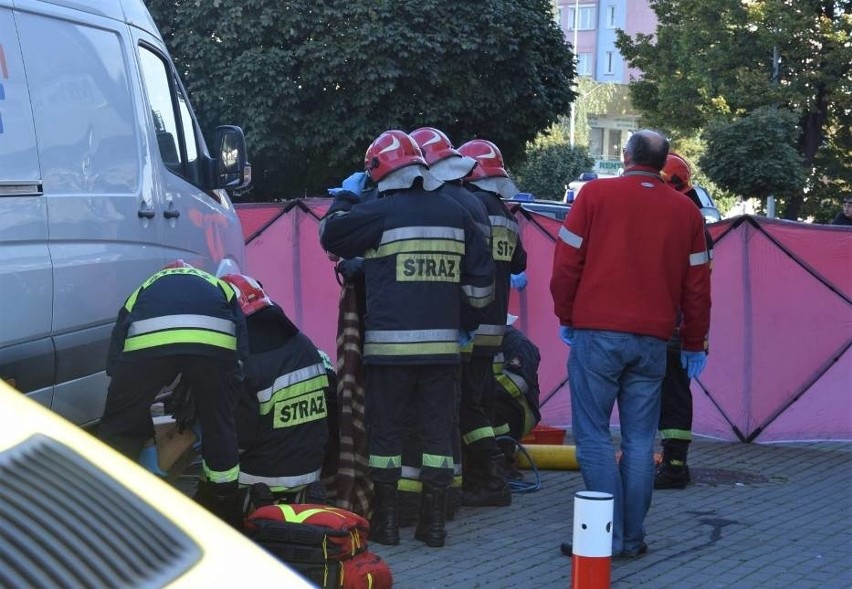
(352, 488)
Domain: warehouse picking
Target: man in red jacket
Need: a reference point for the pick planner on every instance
(630, 255)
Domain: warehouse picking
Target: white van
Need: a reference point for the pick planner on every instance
(104, 177)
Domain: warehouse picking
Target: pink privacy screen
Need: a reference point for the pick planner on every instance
(780, 365)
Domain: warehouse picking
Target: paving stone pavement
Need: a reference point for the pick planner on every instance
(756, 516)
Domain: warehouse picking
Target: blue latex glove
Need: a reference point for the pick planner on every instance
(465, 337)
(566, 334)
(519, 281)
(355, 184)
(149, 458)
(693, 362)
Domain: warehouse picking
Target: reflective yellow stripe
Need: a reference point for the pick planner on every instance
(514, 384)
(227, 290)
(437, 461)
(411, 349)
(180, 336)
(444, 246)
(478, 434)
(675, 434)
(221, 476)
(457, 481)
(289, 379)
(409, 485)
(501, 430)
(385, 461)
(493, 341)
(308, 386)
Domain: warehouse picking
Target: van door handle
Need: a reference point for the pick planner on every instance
(145, 212)
(171, 213)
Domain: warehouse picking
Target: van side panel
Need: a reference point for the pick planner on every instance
(105, 234)
(26, 282)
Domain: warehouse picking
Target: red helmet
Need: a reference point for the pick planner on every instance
(488, 157)
(677, 173)
(434, 144)
(391, 151)
(250, 293)
(179, 263)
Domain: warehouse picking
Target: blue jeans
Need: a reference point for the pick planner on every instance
(606, 367)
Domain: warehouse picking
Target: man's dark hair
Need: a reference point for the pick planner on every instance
(648, 148)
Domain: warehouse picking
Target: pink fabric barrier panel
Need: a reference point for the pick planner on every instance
(780, 365)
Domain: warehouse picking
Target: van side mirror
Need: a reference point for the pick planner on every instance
(232, 167)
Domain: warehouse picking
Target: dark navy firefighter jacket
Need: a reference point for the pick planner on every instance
(426, 267)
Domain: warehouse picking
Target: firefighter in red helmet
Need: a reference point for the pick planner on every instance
(181, 321)
(283, 413)
(676, 401)
(449, 165)
(428, 274)
(485, 478)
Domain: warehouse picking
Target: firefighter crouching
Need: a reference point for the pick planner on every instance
(426, 273)
(282, 415)
(181, 321)
(516, 404)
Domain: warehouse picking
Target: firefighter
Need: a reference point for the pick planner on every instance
(449, 166)
(181, 321)
(282, 416)
(427, 273)
(516, 404)
(484, 480)
(676, 402)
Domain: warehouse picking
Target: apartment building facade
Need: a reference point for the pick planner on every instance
(590, 27)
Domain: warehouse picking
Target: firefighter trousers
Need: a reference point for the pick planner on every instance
(431, 391)
(126, 423)
(477, 405)
(676, 401)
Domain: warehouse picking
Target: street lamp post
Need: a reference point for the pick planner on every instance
(577, 60)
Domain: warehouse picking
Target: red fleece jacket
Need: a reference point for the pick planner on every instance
(629, 255)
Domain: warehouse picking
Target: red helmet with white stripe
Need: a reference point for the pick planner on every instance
(250, 293)
(488, 157)
(391, 151)
(434, 144)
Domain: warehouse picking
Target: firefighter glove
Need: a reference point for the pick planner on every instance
(355, 184)
(519, 281)
(465, 337)
(566, 334)
(149, 458)
(693, 362)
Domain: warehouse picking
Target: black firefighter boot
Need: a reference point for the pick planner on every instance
(673, 472)
(485, 481)
(384, 525)
(433, 512)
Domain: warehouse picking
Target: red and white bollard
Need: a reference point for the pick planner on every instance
(592, 540)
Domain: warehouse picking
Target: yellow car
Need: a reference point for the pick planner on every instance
(75, 513)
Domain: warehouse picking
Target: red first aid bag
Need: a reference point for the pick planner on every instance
(365, 571)
(308, 532)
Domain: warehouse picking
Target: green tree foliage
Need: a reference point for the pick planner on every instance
(732, 147)
(313, 82)
(718, 60)
(552, 163)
